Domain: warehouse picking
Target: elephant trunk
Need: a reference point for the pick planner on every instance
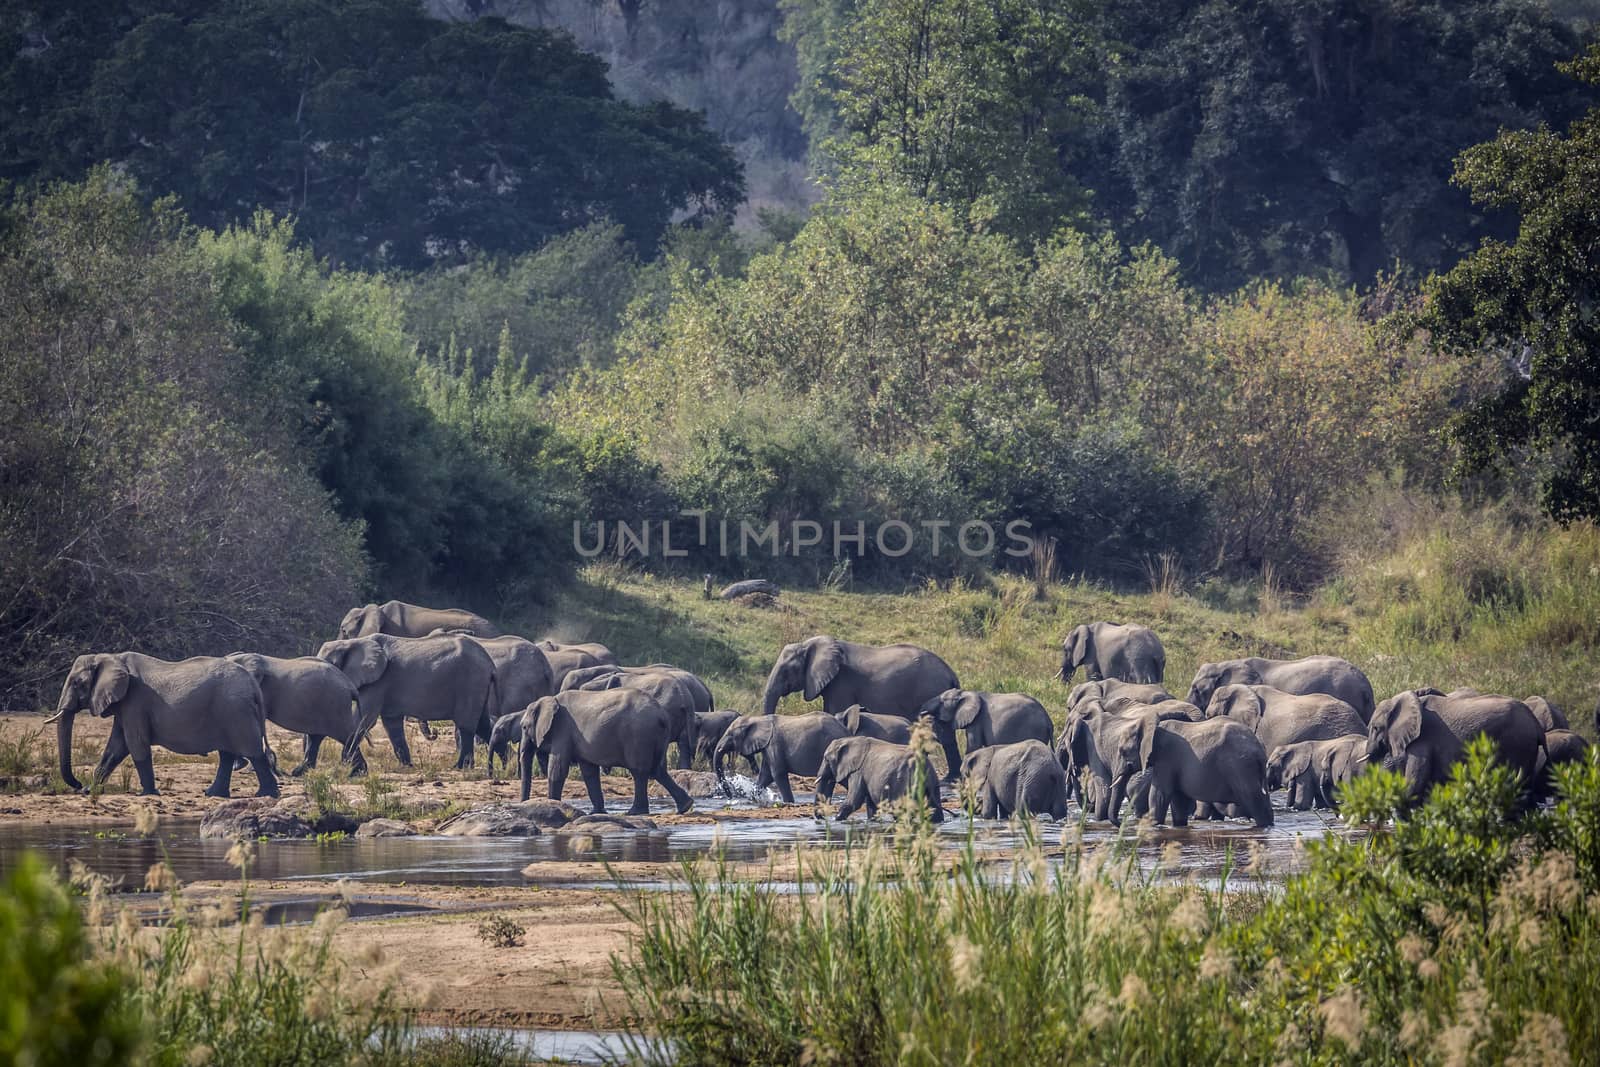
(64, 716)
(774, 691)
(1119, 791)
(525, 759)
(716, 760)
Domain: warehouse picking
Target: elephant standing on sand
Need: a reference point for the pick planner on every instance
(447, 676)
(310, 697)
(1130, 653)
(987, 719)
(873, 773)
(889, 679)
(1423, 732)
(618, 728)
(678, 691)
(399, 619)
(193, 707)
(1314, 674)
(1280, 718)
(787, 744)
(1023, 778)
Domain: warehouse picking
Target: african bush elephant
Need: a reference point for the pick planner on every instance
(565, 658)
(1314, 674)
(787, 744)
(1164, 709)
(889, 679)
(1425, 731)
(1020, 778)
(399, 619)
(1312, 770)
(1560, 746)
(678, 691)
(859, 722)
(1109, 689)
(1549, 714)
(1101, 746)
(1128, 653)
(987, 719)
(193, 706)
(873, 773)
(614, 728)
(1218, 762)
(312, 698)
(1278, 718)
(447, 676)
(709, 726)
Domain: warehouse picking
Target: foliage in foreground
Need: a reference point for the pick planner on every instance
(1462, 935)
(83, 982)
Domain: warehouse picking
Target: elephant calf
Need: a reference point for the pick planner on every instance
(1216, 762)
(859, 722)
(612, 728)
(987, 719)
(1313, 770)
(1023, 778)
(873, 773)
(787, 744)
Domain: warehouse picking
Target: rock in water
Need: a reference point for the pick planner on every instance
(698, 784)
(529, 819)
(748, 586)
(385, 828)
(605, 823)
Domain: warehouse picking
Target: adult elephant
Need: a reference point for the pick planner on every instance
(859, 722)
(889, 679)
(1278, 718)
(1314, 674)
(193, 707)
(1097, 747)
(1109, 689)
(310, 697)
(616, 728)
(399, 619)
(987, 719)
(1217, 763)
(679, 692)
(567, 658)
(787, 744)
(1549, 714)
(1128, 653)
(1022, 778)
(874, 773)
(1423, 732)
(445, 676)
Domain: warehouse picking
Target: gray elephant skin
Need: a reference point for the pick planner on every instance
(567, 658)
(1109, 689)
(1549, 713)
(873, 773)
(1560, 746)
(1217, 763)
(787, 744)
(447, 676)
(614, 728)
(1021, 778)
(1100, 743)
(193, 707)
(680, 692)
(986, 719)
(1278, 718)
(310, 697)
(1128, 653)
(1314, 674)
(889, 679)
(1423, 732)
(859, 722)
(709, 726)
(1312, 771)
(399, 619)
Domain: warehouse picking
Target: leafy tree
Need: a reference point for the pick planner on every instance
(1536, 299)
(395, 139)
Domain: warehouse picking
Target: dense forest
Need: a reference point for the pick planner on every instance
(303, 301)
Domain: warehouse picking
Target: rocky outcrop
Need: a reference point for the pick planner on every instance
(252, 817)
(385, 828)
(606, 823)
(528, 819)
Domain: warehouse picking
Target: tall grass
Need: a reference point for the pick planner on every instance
(1461, 936)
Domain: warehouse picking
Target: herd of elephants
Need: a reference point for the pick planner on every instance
(1245, 728)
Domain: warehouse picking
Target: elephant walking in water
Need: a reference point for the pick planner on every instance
(1023, 778)
(193, 707)
(873, 773)
(1314, 674)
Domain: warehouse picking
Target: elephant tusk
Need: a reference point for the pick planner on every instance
(54, 718)
(1059, 672)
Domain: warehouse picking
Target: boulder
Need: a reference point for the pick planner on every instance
(748, 586)
(528, 819)
(605, 823)
(385, 828)
(251, 817)
(697, 784)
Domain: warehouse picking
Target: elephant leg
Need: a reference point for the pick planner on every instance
(853, 799)
(556, 766)
(952, 758)
(267, 781)
(597, 796)
(425, 728)
(463, 749)
(679, 795)
(116, 751)
(763, 769)
(396, 729)
(147, 777)
(223, 784)
(310, 747)
(1182, 808)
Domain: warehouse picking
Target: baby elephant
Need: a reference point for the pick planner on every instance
(873, 773)
(1023, 778)
(787, 744)
(1311, 770)
(614, 728)
(859, 722)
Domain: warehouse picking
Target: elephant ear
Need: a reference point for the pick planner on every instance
(366, 662)
(1077, 646)
(601, 684)
(546, 710)
(110, 684)
(852, 719)
(1239, 703)
(1405, 725)
(759, 736)
(1148, 725)
(1085, 691)
(968, 708)
(823, 662)
(1298, 762)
